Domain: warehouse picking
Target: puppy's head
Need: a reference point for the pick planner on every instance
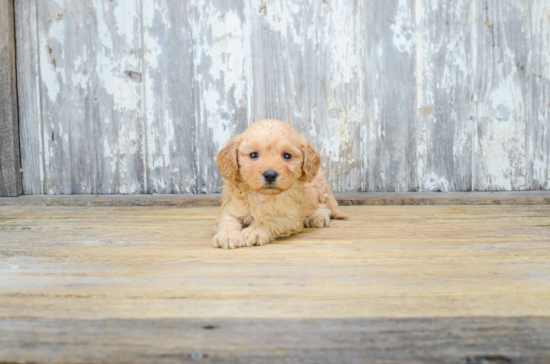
(269, 157)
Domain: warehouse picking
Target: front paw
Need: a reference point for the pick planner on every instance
(319, 219)
(228, 240)
(254, 236)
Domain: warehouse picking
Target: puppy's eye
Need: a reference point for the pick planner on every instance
(253, 155)
(286, 156)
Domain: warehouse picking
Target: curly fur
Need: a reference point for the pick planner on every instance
(254, 212)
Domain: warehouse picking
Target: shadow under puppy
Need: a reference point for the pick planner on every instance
(274, 186)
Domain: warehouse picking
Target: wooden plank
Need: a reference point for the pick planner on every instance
(10, 163)
(140, 100)
(170, 101)
(306, 65)
(410, 340)
(386, 262)
(90, 69)
(333, 61)
(117, 110)
(443, 76)
(28, 87)
(221, 81)
(390, 96)
(279, 69)
(501, 95)
(540, 94)
(344, 199)
(401, 284)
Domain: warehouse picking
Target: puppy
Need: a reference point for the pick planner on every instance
(273, 187)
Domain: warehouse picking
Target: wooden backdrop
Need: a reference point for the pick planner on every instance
(137, 96)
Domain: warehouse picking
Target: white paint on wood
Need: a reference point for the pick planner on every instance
(29, 96)
(137, 96)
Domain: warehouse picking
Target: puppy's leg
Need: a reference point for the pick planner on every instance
(229, 233)
(270, 228)
(320, 218)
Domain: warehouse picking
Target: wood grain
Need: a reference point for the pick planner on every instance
(397, 96)
(390, 97)
(170, 101)
(344, 199)
(90, 68)
(501, 94)
(307, 71)
(540, 91)
(387, 262)
(394, 284)
(29, 97)
(429, 340)
(10, 163)
(222, 80)
(444, 127)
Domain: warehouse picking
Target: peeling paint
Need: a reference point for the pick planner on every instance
(425, 95)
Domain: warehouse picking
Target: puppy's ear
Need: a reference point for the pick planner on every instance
(227, 160)
(312, 162)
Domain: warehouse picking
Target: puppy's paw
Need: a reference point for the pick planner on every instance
(319, 219)
(254, 236)
(228, 240)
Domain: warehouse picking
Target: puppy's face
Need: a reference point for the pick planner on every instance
(270, 168)
(269, 157)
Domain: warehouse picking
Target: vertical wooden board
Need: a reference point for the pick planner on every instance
(10, 175)
(306, 62)
(63, 38)
(170, 113)
(116, 83)
(28, 87)
(540, 94)
(390, 95)
(501, 94)
(222, 70)
(279, 79)
(334, 88)
(443, 76)
(90, 78)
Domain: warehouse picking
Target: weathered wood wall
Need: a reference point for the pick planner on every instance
(10, 162)
(137, 96)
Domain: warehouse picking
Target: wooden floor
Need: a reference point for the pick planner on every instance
(408, 284)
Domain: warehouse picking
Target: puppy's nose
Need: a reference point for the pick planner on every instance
(270, 176)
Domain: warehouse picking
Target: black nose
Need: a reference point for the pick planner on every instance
(270, 176)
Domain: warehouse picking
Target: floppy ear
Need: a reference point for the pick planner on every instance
(312, 162)
(227, 160)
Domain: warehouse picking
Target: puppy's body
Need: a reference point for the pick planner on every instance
(257, 207)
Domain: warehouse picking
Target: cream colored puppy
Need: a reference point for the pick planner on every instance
(273, 187)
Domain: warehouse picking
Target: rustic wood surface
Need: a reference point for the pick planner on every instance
(137, 96)
(313, 341)
(10, 163)
(29, 93)
(440, 284)
(344, 199)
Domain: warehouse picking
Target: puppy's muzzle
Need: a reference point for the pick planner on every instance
(270, 176)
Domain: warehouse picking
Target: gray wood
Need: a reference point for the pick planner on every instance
(90, 67)
(29, 96)
(138, 96)
(334, 83)
(444, 127)
(169, 107)
(540, 95)
(10, 163)
(501, 95)
(390, 96)
(344, 199)
(475, 340)
(307, 72)
(221, 62)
